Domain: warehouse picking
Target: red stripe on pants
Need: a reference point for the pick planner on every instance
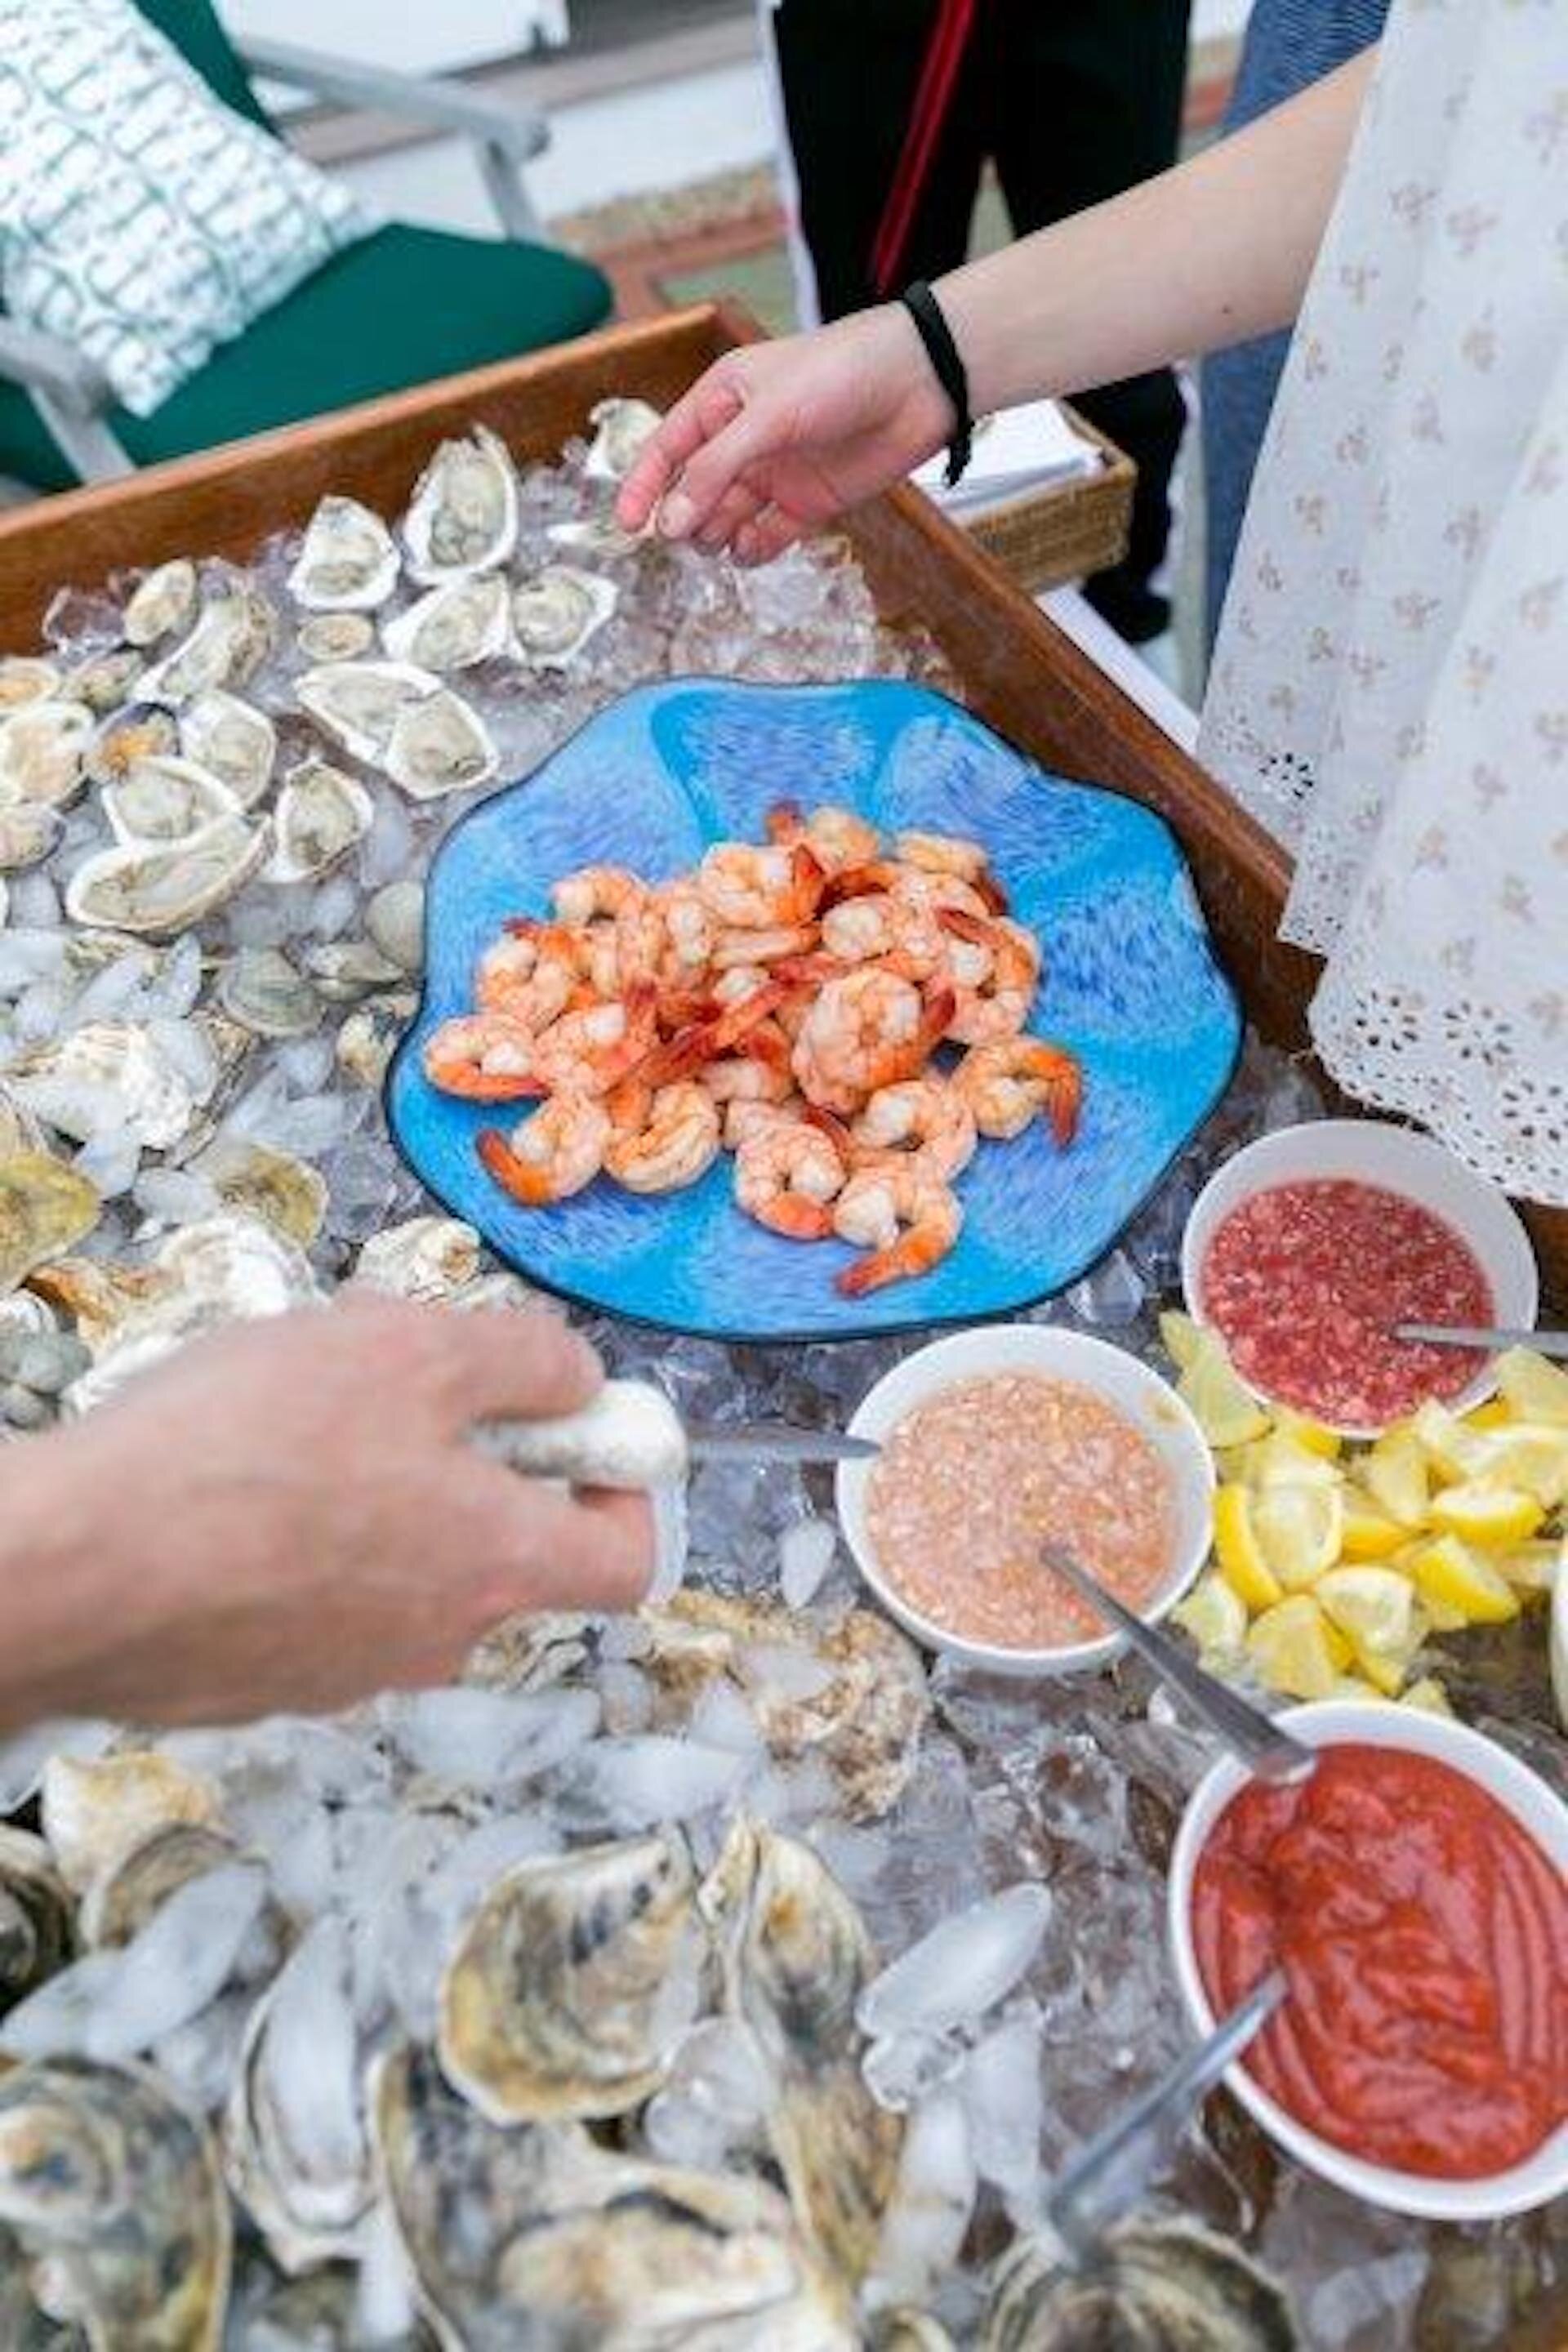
(939, 78)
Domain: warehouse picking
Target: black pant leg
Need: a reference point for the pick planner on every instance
(1088, 102)
(849, 70)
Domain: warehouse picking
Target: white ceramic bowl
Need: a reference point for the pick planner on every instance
(1373, 1152)
(1558, 1639)
(1524, 2186)
(1147, 1400)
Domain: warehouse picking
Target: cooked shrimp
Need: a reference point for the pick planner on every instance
(748, 1077)
(679, 1143)
(744, 1120)
(555, 1153)
(786, 1175)
(942, 852)
(591, 1050)
(745, 951)
(483, 1056)
(921, 1120)
(714, 1040)
(530, 974)
(907, 1219)
(754, 890)
(690, 931)
(836, 836)
(1018, 1079)
(595, 892)
(892, 929)
(867, 1030)
(1000, 1005)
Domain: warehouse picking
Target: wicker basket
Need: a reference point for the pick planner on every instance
(1063, 531)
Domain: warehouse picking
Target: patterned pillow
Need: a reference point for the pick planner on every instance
(140, 219)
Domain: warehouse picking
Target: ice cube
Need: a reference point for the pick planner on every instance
(490, 1738)
(926, 2221)
(806, 1556)
(622, 1785)
(960, 1970)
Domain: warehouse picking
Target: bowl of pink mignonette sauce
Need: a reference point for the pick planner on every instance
(996, 1441)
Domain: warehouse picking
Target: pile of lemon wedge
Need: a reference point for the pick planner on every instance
(1335, 1563)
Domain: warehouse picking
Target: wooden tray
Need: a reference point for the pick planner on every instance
(1020, 671)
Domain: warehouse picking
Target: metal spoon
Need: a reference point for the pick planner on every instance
(1113, 2170)
(1245, 1731)
(1483, 1335)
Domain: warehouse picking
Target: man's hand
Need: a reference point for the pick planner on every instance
(288, 1515)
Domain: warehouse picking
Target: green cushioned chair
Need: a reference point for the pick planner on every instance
(404, 305)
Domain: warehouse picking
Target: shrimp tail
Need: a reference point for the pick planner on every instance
(798, 1218)
(860, 882)
(710, 1041)
(519, 1177)
(914, 1253)
(786, 823)
(1063, 1101)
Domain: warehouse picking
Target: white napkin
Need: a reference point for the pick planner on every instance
(1020, 449)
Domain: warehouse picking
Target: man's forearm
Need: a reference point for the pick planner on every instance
(1213, 252)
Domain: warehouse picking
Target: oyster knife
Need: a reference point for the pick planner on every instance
(632, 1437)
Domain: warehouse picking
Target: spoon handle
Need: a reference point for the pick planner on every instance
(1491, 1335)
(1115, 2169)
(1245, 1731)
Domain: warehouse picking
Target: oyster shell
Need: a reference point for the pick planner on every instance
(369, 1038)
(910, 2331)
(106, 681)
(111, 2189)
(261, 987)
(797, 1959)
(554, 616)
(1166, 2286)
(254, 1180)
(163, 603)
(22, 679)
(37, 1921)
(234, 632)
(43, 749)
(349, 563)
(45, 1208)
(466, 620)
(428, 1258)
(599, 535)
(118, 1903)
(572, 1981)
(104, 1076)
(96, 1811)
(165, 800)
(463, 516)
(440, 745)
(321, 815)
(358, 703)
(394, 920)
(345, 969)
(317, 2312)
(622, 430)
(233, 740)
(156, 890)
(142, 731)
(335, 637)
(99, 1299)
(531, 2239)
(19, 1129)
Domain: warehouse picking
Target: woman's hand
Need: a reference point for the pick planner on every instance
(289, 1516)
(777, 438)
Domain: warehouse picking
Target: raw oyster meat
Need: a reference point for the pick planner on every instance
(440, 745)
(257, 1181)
(349, 563)
(25, 680)
(164, 603)
(370, 1036)
(157, 890)
(321, 815)
(142, 731)
(45, 1208)
(454, 626)
(599, 535)
(358, 703)
(622, 430)
(29, 832)
(235, 741)
(261, 989)
(335, 637)
(234, 632)
(106, 1075)
(345, 969)
(106, 681)
(554, 616)
(166, 799)
(464, 513)
(43, 748)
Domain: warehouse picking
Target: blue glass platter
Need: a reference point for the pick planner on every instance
(1130, 985)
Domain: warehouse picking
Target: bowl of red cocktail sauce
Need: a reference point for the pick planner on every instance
(1305, 1249)
(1415, 1890)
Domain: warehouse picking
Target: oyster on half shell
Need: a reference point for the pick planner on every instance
(358, 703)
(453, 626)
(463, 516)
(97, 1811)
(26, 678)
(254, 1180)
(234, 632)
(349, 563)
(163, 602)
(335, 637)
(440, 745)
(165, 799)
(142, 731)
(321, 815)
(554, 616)
(234, 741)
(120, 1901)
(156, 889)
(43, 753)
(572, 1982)
(29, 832)
(622, 430)
(259, 988)
(45, 1208)
(428, 1258)
(1165, 2287)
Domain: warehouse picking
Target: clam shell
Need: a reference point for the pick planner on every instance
(95, 1810)
(158, 890)
(454, 626)
(29, 832)
(438, 745)
(166, 799)
(45, 1208)
(24, 679)
(142, 731)
(234, 632)
(463, 516)
(43, 748)
(428, 1258)
(105, 1075)
(554, 616)
(335, 637)
(163, 602)
(321, 815)
(622, 430)
(261, 989)
(234, 741)
(349, 563)
(256, 1181)
(358, 703)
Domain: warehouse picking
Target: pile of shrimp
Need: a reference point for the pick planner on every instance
(784, 1002)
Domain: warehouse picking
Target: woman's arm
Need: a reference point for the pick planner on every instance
(776, 438)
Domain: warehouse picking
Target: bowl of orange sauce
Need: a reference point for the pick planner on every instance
(1415, 1891)
(997, 1441)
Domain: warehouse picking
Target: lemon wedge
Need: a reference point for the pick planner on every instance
(1533, 1389)
(1298, 1530)
(1224, 1410)
(1496, 1413)
(1428, 1694)
(1281, 1459)
(1531, 1567)
(1452, 1450)
(1295, 1650)
(1180, 1337)
(1452, 1576)
(1241, 1561)
(1375, 1607)
(1357, 1686)
(1368, 1532)
(1310, 1435)
(1532, 1455)
(1396, 1477)
(1494, 1518)
(1214, 1614)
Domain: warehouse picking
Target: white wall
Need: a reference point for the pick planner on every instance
(419, 37)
